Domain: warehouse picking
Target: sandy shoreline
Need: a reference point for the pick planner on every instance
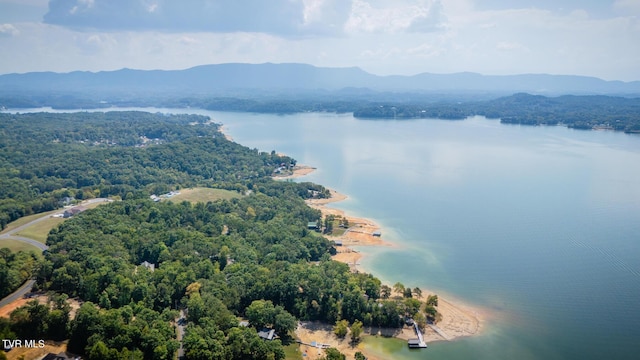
(222, 131)
(298, 171)
(458, 320)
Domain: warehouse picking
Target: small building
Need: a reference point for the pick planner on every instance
(67, 200)
(155, 198)
(148, 265)
(313, 225)
(73, 211)
(267, 334)
(377, 233)
(338, 242)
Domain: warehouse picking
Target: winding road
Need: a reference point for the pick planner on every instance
(9, 235)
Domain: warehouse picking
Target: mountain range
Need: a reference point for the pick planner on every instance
(235, 77)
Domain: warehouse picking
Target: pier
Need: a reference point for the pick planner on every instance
(419, 342)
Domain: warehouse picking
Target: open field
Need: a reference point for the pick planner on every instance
(23, 220)
(292, 352)
(15, 246)
(40, 230)
(196, 195)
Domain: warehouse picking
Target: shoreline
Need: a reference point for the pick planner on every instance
(223, 132)
(458, 319)
(298, 171)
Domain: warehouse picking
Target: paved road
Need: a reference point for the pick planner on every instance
(25, 240)
(10, 234)
(182, 320)
(18, 294)
(26, 287)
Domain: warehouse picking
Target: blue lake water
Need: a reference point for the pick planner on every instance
(539, 226)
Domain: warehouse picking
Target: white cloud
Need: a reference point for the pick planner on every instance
(381, 36)
(419, 16)
(287, 18)
(627, 7)
(511, 46)
(8, 30)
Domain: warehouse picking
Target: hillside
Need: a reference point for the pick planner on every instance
(234, 78)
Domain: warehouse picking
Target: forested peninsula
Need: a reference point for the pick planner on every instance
(584, 112)
(158, 277)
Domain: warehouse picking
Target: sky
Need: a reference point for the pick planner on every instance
(599, 38)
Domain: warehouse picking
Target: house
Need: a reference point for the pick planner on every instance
(73, 211)
(60, 356)
(155, 198)
(313, 225)
(267, 334)
(148, 265)
(338, 243)
(66, 200)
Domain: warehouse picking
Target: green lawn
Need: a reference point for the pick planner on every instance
(40, 230)
(196, 195)
(15, 246)
(23, 220)
(292, 352)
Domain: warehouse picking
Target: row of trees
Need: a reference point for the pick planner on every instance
(15, 269)
(581, 112)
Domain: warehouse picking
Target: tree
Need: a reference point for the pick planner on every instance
(398, 288)
(283, 322)
(341, 328)
(407, 293)
(328, 224)
(334, 354)
(360, 356)
(420, 319)
(356, 331)
(431, 313)
(411, 306)
(417, 292)
(432, 300)
(385, 291)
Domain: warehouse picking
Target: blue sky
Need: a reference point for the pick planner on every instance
(588, 37)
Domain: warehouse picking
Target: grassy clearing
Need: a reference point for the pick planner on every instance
(292, 352)
(15, 246)
(196, 195)
(23, 220)
(40, 230)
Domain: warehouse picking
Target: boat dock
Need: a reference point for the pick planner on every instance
(419, 342)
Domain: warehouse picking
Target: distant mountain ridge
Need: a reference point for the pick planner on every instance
(291, 76)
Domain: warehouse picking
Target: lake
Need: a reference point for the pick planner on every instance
(537, 226)
(540, 226)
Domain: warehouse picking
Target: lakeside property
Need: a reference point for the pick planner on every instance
(457, 320)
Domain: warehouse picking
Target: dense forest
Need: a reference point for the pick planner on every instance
(46, 157)
(580, 112)
(251, 257)
(15, 269)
